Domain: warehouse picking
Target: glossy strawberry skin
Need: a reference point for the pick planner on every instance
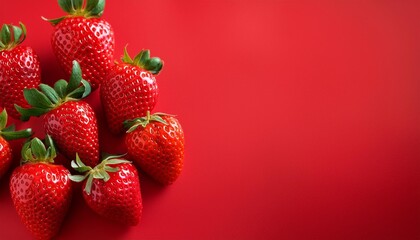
(158, 149)
(118, 199)
(73, 126)
(90, 41)
(127, 93)
(41, 194)
(19, 69)
(5, 156)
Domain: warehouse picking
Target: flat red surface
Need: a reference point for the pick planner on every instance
(302, 118)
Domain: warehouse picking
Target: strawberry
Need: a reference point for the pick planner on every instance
(130, 90)
(19, 68)
(112, 189)
(156, 144)
(40, 190)
(6, 134)
(83, 36)
(70, 122)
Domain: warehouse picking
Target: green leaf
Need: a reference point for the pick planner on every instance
(106, 176)
(77, 178)
(17, 33)
(139, 58)
(28, 112)
(73, 164)
(145, 56)
(50, 93)
(158, 118)
(98, 175)
(10, 128)
(77, 4)
(3, 119)
(106, 157)
(37, 99)
(116, 161)
(154, 65)
(83, 169)
(77, 93)
(81, 91)
(75, 78)
(79, 161)
(51, 146)
(28, 155)
(91, 4)
(54, 21)
(79, 166)
(60, 87)
(87, 88)
(5, 34)
(111, 169)
(65, 5)
(126, 58)
(23, 27)
(24, 150)
(88, 187)
(132, 125)
(98, 10)
(18, 134)
(38, 149)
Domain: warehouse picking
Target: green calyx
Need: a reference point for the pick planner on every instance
(79, 8)
(133, 124)
(35, 151)
(9, 132)
(101, 171)
(11, 36)
(143, 60)
(50, 98)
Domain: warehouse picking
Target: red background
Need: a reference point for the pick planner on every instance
(302, 118)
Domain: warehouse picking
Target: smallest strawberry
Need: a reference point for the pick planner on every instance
(112, 189)
(8, 133)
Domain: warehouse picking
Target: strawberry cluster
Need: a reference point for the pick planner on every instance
(83, 44)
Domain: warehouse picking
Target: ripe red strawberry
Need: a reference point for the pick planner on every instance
(41, 191)
(5, 135)
(112, 189)
(156, 144)
(130, 90)
(85, 37)
(70, 122)
(19, 68)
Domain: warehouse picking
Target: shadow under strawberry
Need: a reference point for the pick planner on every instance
(150, 189)
(80, 210)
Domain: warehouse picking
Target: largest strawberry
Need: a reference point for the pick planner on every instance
(19, 68)
(130, 90)
(83, 36)
(41, 191)
(70, 121)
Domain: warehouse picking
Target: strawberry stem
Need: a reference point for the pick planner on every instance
(153, 65)
(50, 98)
(79, 8)
(35, 151)
(11, 36)
(9, 133)
(101, 171)
(133, 124)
